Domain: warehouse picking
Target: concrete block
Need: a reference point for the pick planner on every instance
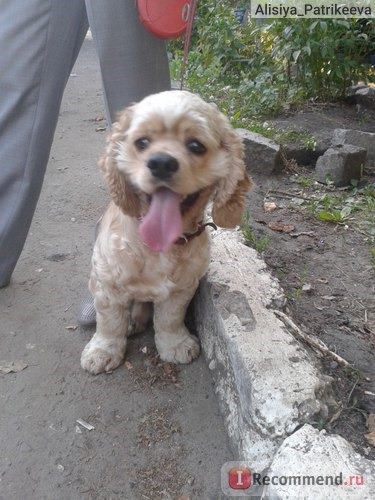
(341, 164)
(267, 383)
(365, 140)
(262, 155)
(309, 454)
(354, 88)
(366, 97)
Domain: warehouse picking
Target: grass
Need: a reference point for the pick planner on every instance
(304, 139)
(372, 257)
(305, 182)
(259, 243)
(354, 206)
(294, 295)
(301, 138)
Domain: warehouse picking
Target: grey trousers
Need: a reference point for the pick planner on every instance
(39, 43)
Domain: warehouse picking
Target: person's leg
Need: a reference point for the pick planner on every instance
(39, 40)
(133, 63)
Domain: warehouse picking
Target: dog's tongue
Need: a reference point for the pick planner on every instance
(163, 224)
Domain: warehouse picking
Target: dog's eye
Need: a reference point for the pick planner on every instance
(142, 143)
(196, 147)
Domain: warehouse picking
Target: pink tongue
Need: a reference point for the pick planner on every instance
(162, 224)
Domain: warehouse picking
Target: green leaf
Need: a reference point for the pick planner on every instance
(296, 55)
(307, 49)
(345, 212)
(326, 216)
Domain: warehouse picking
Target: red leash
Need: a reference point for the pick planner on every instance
(192, 7)
(169, 19)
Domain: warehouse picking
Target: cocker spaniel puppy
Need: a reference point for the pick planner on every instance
(166, 159)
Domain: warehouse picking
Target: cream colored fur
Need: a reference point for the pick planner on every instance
(126, 275)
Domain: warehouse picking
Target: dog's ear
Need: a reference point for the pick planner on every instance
(122, 192)
(229, 200)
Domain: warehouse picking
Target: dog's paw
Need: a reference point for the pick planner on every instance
(97, 357)
(183, 351)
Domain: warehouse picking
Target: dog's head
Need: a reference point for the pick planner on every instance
(166, 157)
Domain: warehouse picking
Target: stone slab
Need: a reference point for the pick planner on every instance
(365, 140)
(316, 465)
(262, 155)
(366, 97)
(267, 383)
(341, 164)
(269, 386)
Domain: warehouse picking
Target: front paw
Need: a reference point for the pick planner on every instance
(101, 356)
(177, 350)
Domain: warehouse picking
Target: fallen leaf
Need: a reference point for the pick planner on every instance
(320, 308)
(371, 438)
(168, 368)
(370, 422)
(336, 415)
(302, 233)
(281, 227)
(170, 371)
(328, 297)
(269, 206)
(85, 424)
(12, 366)
(71, 327)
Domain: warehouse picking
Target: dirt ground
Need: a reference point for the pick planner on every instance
(157, 429)
(325, 269)
(158, 432)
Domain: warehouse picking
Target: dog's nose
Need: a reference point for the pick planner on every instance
(162, 166)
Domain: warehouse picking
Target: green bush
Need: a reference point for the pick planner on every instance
(327, 55)
(253, 70)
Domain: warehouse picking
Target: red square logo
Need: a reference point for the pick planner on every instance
(239, 478)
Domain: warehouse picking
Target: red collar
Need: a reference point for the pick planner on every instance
(186, 237)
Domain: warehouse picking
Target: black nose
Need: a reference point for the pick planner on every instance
(162, 166)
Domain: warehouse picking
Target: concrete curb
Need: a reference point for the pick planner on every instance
(267, 383)
(308, 454)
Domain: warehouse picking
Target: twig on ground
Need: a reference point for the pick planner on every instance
(352, 390)
(284, 194)
(312, 342)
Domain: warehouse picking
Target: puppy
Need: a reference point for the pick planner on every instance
(166, 159)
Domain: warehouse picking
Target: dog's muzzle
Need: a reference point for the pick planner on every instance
(162, 166)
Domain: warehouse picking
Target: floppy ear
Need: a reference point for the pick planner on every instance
(122, 192)
(229, 201)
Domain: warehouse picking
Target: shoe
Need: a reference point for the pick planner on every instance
(86, 314)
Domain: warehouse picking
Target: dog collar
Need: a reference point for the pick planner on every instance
(186, 237)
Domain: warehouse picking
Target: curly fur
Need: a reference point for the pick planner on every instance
(126, 275)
